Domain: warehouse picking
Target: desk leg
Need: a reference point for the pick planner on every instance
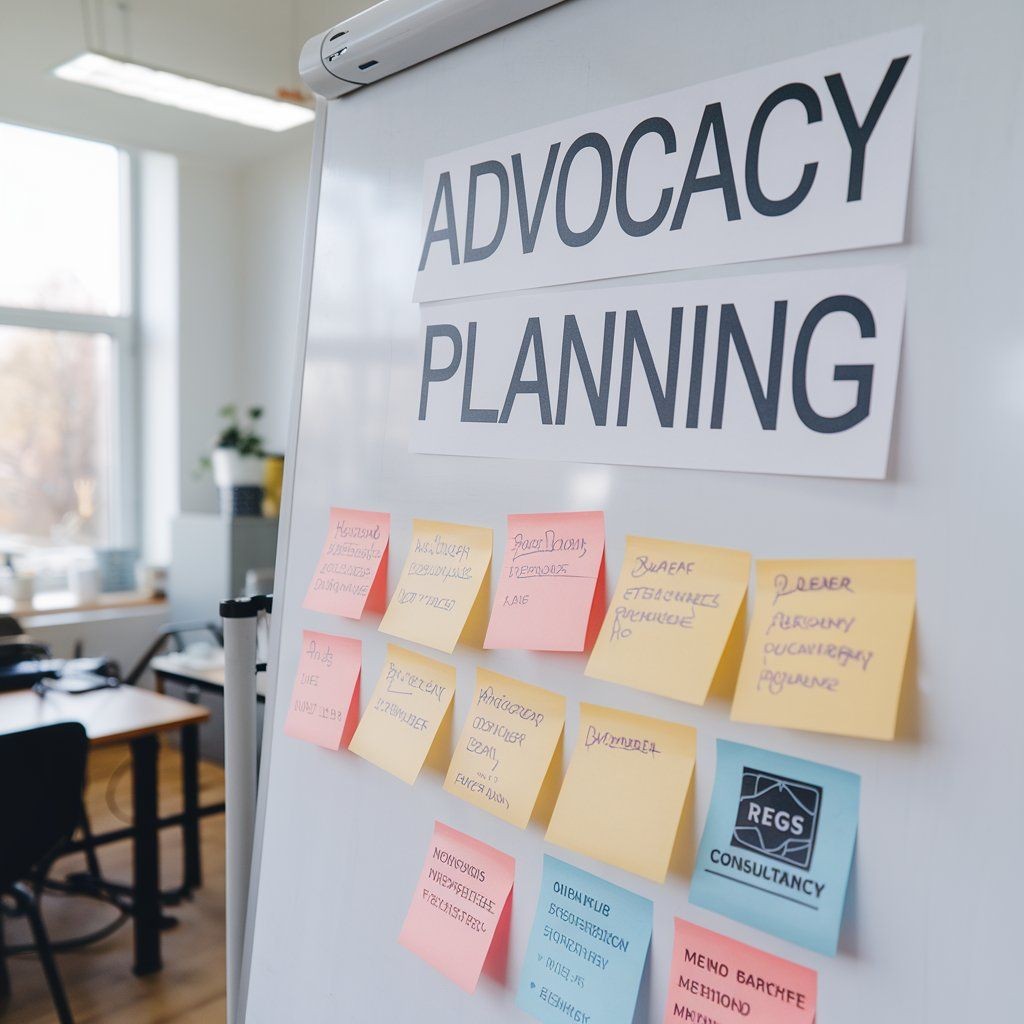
(5, 978)
(146, 856)
(192, 869)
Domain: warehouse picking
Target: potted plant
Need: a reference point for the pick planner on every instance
(237, 461)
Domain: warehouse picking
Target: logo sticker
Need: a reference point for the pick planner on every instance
(777, 817)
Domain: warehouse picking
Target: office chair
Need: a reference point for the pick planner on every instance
(40, 805)
(9, 628)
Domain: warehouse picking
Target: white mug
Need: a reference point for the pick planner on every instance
(84, 582)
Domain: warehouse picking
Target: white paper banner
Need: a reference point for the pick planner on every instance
(808, 155)
(776, 373)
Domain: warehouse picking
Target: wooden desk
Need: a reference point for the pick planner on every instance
(128, 714)
(109, 716)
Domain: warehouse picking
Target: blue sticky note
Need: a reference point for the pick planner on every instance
(778, 845)
(587, 949)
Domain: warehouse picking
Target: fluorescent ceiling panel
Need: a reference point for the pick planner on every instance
(191, 94)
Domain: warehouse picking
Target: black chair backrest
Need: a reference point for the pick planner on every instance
(42, 772)
(9, 626)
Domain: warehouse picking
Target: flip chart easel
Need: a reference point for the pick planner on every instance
(932, 925)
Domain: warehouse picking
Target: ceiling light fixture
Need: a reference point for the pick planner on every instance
(157, 86)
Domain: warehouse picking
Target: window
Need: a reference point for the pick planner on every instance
(66, 345)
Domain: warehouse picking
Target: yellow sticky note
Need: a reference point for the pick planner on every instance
(443, 591)
(827, 646)
(506, 746)
(625, 789)
(412, 696)
(670, 618)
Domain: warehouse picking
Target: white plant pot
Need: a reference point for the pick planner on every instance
(22, 588)
(233, 470)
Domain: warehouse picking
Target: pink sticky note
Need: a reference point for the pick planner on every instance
(457, 911)
(717, 978)
(324, 708)
(352, 574)
(551, 587)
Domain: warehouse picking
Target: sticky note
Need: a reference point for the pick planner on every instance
(506, 746)
(672, 613)
(715, 978)
(457, 907)
(552, 584)
(325, 695)
(778, 845)
(442, 593)
(408, 705)
(623, 794)
(827, 646)
(587, 949)
(352, 574)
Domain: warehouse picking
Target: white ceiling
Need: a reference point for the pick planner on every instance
(249, 44)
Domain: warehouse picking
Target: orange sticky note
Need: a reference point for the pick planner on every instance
(623, 795)
(324, 707)
(352, 574)
(827, 646)
(407, 708)
(458, 906)
(717, 978)
(442, 594)
(551, 589)
(506, 746)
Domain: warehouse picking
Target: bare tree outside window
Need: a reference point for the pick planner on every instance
(55, 443)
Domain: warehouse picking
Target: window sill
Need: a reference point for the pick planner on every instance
(63, 602)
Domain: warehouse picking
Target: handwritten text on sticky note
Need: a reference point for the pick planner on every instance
(441, 596)
(506, 746)
(325, 695)
(587, 949)
(672, 613)
(458, 904)
(827, 646)
(715, 978)
(550, 594)
(624, 791)
(352, 573)
(407, 707)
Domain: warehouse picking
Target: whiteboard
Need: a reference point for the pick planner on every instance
(931, 933)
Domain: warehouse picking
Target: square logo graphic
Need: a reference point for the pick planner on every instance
(796, 887)
(777, 817)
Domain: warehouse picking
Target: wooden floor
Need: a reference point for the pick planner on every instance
(99, 980)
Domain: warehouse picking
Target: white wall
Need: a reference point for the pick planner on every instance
(273, 200)
(208, 316)
(188, 295)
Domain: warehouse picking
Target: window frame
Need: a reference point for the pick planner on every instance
(122, 328)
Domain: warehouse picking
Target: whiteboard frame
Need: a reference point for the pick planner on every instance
(284, 539)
